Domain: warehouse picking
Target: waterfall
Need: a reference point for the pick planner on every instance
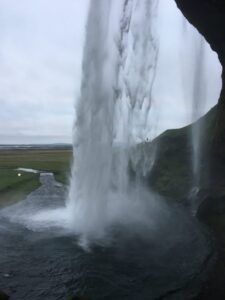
(93, 130)
(198, 100)
(197, 97)
(119, 66)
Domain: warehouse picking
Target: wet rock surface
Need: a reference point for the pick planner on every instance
(3, 296)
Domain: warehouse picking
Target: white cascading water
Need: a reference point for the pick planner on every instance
(197, 96)
(93, 133)
(198, 100)
(119, 67)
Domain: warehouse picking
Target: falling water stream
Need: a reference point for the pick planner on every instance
(196, 92)
(198, 99)
(112, 112)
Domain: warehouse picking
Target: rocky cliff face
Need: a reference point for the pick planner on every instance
(208, 17)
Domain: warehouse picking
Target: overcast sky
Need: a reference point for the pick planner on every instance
(40, 58)
(41, 45)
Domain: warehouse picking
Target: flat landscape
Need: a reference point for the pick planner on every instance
(17, 184)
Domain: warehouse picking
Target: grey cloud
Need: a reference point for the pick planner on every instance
(41, 44)
(40, 63)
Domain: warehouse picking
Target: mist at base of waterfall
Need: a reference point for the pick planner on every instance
(132, 260)
(142, 218)
(140, 212)
(138, 215)
(138, 249)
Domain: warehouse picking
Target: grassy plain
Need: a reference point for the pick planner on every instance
(13, 187)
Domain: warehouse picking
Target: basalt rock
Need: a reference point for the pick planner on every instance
(76, 297)
(3, 296)
(171, 174)
(208, 17)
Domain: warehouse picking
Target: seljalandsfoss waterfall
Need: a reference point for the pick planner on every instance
(130, 224)
(113, 112)
(119, 68)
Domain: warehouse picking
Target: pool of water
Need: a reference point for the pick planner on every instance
(48, 262)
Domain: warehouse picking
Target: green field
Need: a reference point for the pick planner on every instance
(13, 187)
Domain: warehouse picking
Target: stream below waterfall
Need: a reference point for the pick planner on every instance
(41, 260)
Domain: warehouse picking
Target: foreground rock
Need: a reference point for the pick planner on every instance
(3, 296)
(77, 297)
(208, 16)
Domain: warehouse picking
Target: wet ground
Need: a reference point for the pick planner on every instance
(41, 260)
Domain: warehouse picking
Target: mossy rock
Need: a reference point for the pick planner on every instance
(171, 175)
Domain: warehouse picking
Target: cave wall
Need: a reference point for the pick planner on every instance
(208, 17)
